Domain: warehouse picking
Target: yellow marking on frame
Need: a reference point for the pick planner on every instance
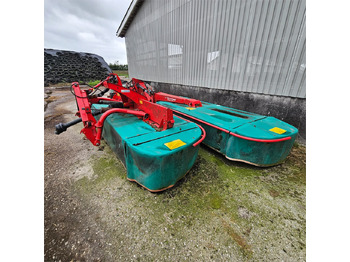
(190, 108)
(278, 130)
(141, 102)
(175, 144)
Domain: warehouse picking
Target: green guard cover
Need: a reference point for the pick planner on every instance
(154, 159)
(244, 124)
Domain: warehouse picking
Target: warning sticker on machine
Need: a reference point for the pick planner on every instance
(190, 108)
(175, 144)
(278, 130)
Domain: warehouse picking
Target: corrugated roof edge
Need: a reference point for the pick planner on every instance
(129, 16)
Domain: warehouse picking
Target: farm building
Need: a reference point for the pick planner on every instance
(246, 54)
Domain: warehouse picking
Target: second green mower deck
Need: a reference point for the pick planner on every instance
(239, 135)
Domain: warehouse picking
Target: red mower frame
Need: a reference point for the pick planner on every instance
(136, 98)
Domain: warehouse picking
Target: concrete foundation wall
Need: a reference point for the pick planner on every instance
(288, 109)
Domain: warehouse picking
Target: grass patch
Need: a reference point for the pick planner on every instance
(105, 169)
(93, 82)
(124, 73)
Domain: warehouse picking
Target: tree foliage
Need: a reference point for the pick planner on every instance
(117, 66)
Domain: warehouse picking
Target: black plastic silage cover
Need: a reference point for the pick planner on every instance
(69, 66)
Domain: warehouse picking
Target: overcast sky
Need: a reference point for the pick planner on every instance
(86, 26)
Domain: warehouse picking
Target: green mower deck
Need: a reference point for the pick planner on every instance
(239, 135)
(154, 159)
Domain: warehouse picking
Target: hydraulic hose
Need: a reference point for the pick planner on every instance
(99, 124)
(203, 131)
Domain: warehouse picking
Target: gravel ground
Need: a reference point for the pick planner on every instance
(221, 211)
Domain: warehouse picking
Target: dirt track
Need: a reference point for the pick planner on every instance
(220, 211)
(65, 234)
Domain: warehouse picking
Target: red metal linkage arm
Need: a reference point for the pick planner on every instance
(176, 99)
(158, 115)
(88, 119)
(96, 100)
(84, 111)
(143, 89)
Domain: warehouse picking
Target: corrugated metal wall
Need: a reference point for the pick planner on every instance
(243, 45)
